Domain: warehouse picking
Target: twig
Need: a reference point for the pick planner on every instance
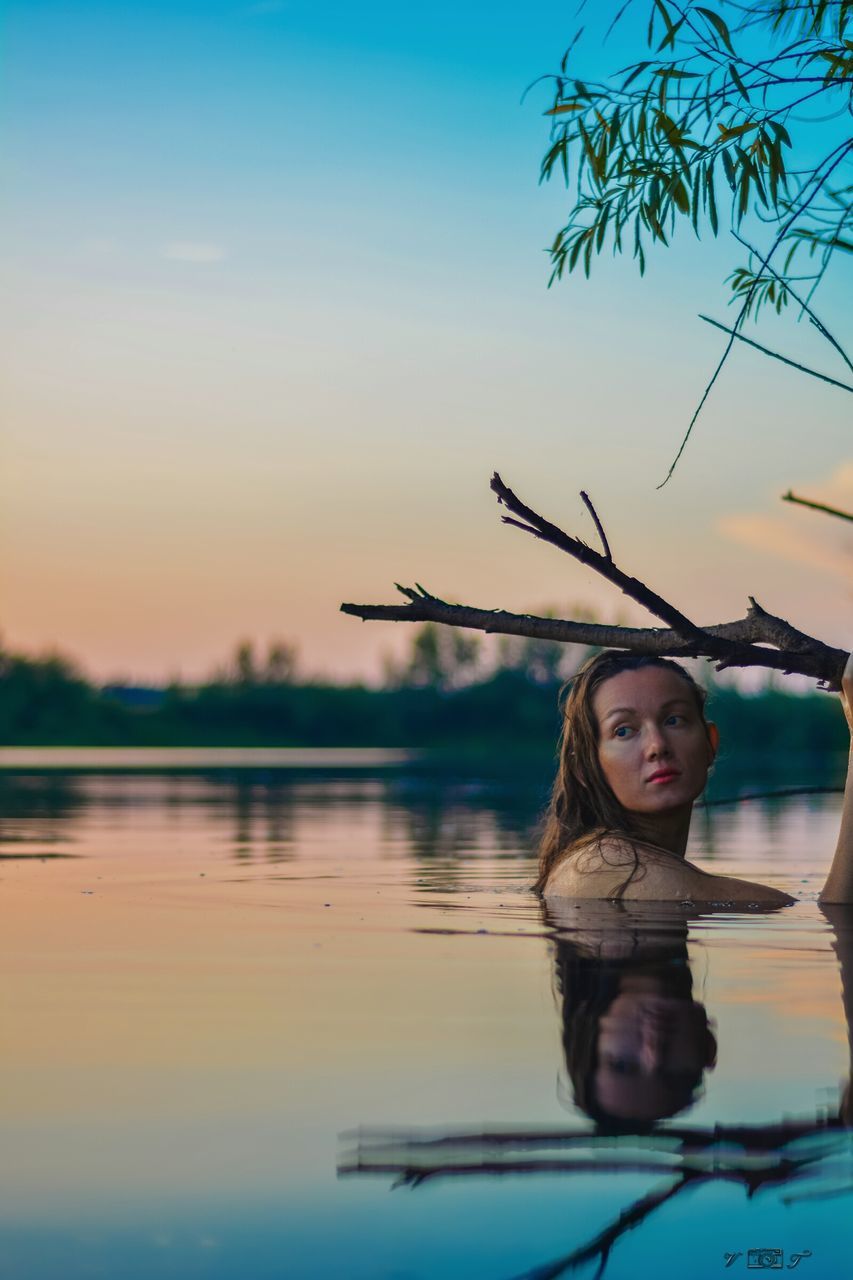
(833, 382)
(774, 795)
(817, 506)
(602, 535)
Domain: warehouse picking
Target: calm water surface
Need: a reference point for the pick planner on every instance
(276, 1023)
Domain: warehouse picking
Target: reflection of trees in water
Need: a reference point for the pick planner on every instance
(45, 808)
(264, 818)
(440, 818)
(433, 818)
(38, 809)
(603, 953)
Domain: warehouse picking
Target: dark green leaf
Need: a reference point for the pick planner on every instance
(719, 26)
(635, 71)
(738, 83)
(781, 132)
(602, 228)
(743, 194)
(712, 202)
(589, 151)
(679, 194)
(697, 183)
(669, 128)
(669, 38)
(661, 8)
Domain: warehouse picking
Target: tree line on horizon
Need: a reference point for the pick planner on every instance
(445, 692)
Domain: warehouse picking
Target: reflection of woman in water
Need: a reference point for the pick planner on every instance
(635, 1042)
(635, 752)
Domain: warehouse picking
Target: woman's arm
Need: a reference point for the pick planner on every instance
(839, 882)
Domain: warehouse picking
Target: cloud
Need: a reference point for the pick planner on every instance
(776, 537)
(193, 251)
(837, 491)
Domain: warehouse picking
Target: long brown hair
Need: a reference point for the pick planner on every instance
(582, 804)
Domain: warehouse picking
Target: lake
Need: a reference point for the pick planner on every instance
(287, 1020)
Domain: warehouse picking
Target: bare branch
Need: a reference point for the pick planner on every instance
(632, 587)
(730, 644)
(833, 382)
(817, 506)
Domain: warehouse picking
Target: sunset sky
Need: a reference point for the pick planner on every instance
(276, 307)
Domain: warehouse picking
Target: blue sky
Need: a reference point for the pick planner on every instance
(277, 307)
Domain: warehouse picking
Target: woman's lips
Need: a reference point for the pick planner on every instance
(664, 775)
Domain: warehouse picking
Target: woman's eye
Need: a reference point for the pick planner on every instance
(622, 731)
(674, 719)
(622, 1066)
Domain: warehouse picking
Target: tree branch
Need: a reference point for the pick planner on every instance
(833, 382)
(632, 587)
(817, 506)
(818, 180)
(803, 304)
(730, 644)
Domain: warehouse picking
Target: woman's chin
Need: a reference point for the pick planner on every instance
(664, 803)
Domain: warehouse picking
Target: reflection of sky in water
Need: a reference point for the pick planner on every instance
(228, 975)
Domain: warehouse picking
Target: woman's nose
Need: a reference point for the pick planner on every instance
(651, 1054)
(653, 1044)
(656, 743)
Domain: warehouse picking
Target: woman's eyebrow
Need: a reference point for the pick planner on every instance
(670, 702)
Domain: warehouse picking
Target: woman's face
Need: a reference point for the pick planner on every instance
(652, 1051)
(653, 746)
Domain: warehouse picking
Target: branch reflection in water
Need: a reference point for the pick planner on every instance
(636, 1049)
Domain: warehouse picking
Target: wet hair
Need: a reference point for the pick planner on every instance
(583, 806)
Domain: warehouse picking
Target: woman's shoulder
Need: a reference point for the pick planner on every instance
(611, 865)
(586, 869)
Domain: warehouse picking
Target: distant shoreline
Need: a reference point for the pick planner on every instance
(203, 757)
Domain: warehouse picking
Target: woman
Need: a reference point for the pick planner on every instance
(635, 752)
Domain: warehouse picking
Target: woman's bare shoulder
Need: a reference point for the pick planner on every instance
(593, 869)
(600, 867)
